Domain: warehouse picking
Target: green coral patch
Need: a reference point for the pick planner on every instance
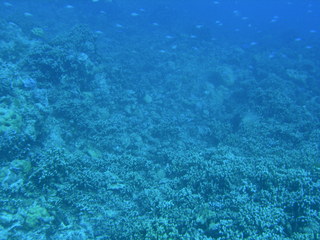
(35, 216)
(9, 120)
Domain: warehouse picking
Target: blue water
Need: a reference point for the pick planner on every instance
(159, 120)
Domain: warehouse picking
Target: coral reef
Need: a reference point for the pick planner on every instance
(135, 136)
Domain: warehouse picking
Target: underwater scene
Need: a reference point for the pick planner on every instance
(159, 119)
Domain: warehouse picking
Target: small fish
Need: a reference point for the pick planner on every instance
(134, 14)
(69, 7)
(236, 13)
(12, 24)
(7, 4)
(219, 23)
(274, 19)
(271, 55)
(27, 14)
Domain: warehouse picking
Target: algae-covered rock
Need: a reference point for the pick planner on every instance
(9, 180)
(222, 75)
(35, 216)
(6, 218)
(22, 166)
(9, 120)
(94, 153)
(147, 98)
(4, 171)
(37, 31)
(299, 76)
